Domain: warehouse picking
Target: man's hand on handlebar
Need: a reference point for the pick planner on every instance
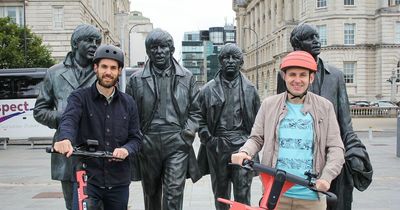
(322, 185)
(238, 158)
(120, 154)
(64, 147)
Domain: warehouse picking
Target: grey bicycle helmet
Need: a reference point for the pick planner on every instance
(111, 52)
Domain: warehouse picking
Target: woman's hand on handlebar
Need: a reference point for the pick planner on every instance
(322, 185)
(238, 158)
(120, 154)
(64, 147)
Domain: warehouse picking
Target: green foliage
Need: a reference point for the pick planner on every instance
(12, 48)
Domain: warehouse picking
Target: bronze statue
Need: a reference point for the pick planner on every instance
(74, 72)
(229, 104)
(329, 83)
(166, 95)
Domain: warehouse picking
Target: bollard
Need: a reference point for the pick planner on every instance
(370, 133)
(398, 137)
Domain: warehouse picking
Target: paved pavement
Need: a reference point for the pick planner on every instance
(25, 177)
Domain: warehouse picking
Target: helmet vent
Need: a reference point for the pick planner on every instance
(107, 51)
(114, 52)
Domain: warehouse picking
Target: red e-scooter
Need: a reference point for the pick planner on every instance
(86, 151)
(275, 182)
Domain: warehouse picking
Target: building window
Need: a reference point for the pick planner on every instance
(303, 6)
(348, 2)
(192, 48)
(397, 2)
(12, 13)
(321, 3)
(349, 68)
(322, 34)
(16, 14)
(349, 33)
(192, 36)
(58, 17)
(398, 71)
(217, 37)
(397, 33)
(229, 36)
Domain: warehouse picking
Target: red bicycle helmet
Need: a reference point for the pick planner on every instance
(300, 59)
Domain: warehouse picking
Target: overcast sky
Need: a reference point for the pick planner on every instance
(179, 16)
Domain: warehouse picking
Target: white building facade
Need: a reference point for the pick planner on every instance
(139, 28)
(362, 38)
(55, 20)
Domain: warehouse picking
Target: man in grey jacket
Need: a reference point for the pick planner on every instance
(329, 83)
(298, 132)
(74, 72)
(229, 104)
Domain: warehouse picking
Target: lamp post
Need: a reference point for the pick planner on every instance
(129, 39)
(393, 97)
(25, 47)
(393, 80)
(256, 53)
(121, 19)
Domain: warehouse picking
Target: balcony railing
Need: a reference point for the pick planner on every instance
(387, 112)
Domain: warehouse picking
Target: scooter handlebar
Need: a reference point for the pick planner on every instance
(83, 153)
(330, 197)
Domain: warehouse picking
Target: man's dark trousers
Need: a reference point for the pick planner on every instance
(104, 198)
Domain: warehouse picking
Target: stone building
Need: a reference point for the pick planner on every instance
(139, 28)
(55, 20)
(360, 37)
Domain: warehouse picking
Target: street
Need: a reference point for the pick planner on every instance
(25, 178)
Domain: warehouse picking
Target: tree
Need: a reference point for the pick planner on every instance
(12, 48)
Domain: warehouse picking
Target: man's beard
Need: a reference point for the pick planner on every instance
(107, 85)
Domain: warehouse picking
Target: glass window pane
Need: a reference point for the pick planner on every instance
(58, 17)
(348, 2)
(321, 3)
(397, 32)
(349, 33)
(230, 37)
(12, 13)
(303, 6)
(2, 9)
(217, 37)
(349, 70)
(322, 34)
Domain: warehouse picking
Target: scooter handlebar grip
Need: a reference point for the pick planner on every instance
(331, 198)
(247, 162)
(50, 150)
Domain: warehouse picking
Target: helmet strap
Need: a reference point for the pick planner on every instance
(299, 96)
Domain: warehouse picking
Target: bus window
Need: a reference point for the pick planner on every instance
(27, 87)
(21, 83)
(6, 89)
